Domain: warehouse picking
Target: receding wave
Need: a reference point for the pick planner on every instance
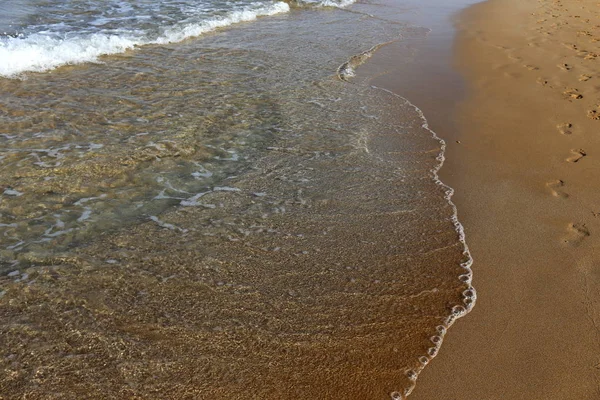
(347, 69)
(40, 52)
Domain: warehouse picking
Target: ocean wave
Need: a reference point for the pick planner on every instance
(41, 52)
(324, 3)
(336, 3)
(179, 33)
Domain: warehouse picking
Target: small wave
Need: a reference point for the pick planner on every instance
(40, 52)
(322, 3)
(347, 69)
(177, 34)
(334, 3)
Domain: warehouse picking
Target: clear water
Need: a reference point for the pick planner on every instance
(232, 213)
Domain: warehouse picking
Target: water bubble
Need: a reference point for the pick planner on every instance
(441, 329)
(411, 374)
(432, 351)
(470, 293)
(424, 360)
(458, 310)
(436, 340)
(396, 396)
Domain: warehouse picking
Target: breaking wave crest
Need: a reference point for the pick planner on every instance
(42, 51)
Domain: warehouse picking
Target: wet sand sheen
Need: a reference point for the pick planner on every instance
(328, 265)
(525, 173)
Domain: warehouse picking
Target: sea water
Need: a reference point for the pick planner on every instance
(206, 199)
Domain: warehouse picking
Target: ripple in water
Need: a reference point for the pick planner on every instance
(225, 218)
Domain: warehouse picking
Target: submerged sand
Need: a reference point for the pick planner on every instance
(328, 265)
(526, 175)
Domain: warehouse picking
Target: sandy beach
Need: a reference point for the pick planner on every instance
(323, 266)
(524, 162)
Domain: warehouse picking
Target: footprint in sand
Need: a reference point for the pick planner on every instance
(565, 67)
(572, 94)
(584, 78)
(594, 114)
(543, 82)
(571, 46)
(565, 128)
(576, 234)
(578, 154)
(556, 188)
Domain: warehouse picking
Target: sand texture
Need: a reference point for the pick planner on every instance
(525, 166)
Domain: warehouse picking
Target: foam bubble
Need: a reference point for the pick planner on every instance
(396, 396)
(458, 310)
(432, 352)
(466, 278)
(412, 375)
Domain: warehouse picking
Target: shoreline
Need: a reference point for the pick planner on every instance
(522, 161)
(292, 278)
(204, 303)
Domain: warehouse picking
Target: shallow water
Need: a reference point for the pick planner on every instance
(231, 215)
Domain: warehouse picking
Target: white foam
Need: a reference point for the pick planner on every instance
(166, 225)
(329, 3)
(14, 246)
(202, 173)
(85, 214)
(41, 52)
(86, 199)
(225, 189)
(179, 33)
(338, 4)
(193, 201)
(469, 294)
(12, 192)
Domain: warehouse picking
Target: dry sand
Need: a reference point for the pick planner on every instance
(526, 172)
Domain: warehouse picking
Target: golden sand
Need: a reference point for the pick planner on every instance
(526, 175)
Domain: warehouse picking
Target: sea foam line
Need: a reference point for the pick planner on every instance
(469, 294)
(40, 52)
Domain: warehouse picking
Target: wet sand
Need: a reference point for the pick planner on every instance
(330, 265)
(524, 161)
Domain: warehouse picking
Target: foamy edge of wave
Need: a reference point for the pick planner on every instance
(469, 294)
(341, 4)
(40, 53)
